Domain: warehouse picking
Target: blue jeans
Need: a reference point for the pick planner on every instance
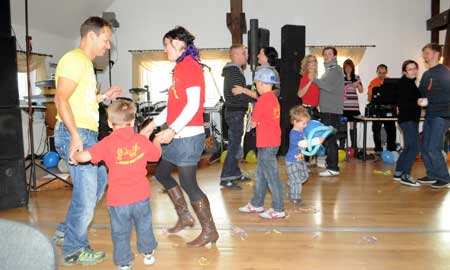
(434, 130)
(407, 157)
(122, 218)
(89, 182)
(235, 122)
(267, 175)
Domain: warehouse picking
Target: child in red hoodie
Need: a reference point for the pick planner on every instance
(266, 120)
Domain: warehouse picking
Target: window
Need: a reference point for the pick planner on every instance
(340, 59)
(157, 74)
(22, 84)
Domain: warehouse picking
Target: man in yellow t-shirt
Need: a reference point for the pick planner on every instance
(76, 102)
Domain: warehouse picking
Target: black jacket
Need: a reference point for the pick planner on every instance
(408, 94)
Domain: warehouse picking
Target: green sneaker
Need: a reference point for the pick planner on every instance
(85, 256)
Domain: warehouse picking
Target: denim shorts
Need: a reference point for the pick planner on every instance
(184, 151)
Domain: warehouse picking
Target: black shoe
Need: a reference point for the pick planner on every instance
(440, 184)
(425, 180)
(297, 202)
(243, 179)
(230, 185)
(409, 181)
(397, 177)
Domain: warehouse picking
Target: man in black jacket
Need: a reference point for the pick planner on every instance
(236, 105)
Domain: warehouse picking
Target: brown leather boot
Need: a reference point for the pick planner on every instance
(185, 218)
(209, 233)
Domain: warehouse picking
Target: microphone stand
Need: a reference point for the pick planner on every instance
(32, 185)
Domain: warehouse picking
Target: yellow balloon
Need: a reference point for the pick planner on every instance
(223, 156)
(251, 157)
(342, 156)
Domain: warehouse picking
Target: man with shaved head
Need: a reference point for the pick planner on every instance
(236, 105)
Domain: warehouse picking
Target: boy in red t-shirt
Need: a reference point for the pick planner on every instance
(266, 119)
(126, 155)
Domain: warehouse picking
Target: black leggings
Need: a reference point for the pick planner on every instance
(187, 176)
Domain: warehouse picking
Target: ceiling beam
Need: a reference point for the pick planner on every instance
(435, 9)
(236, 21)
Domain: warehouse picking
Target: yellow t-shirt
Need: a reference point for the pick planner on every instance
(77, 66)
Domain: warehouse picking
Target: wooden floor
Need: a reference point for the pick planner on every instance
(359, 220)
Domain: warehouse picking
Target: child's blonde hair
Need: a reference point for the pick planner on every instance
(298, 113)
(121, 112)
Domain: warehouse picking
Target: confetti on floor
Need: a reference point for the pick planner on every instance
(368, 240)
(203, 261)
(274, 231)
(241, 233)
(386, 173)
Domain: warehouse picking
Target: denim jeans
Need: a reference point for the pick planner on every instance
(434, 130)
(407, 157)
(89, 182)
(235, 122)
(267, 175)
(122, 219)
(190, 147)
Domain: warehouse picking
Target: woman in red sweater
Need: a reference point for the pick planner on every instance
(308, 91)
(183, 140)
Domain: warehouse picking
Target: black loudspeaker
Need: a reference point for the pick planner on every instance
(292, 52)
(257, 39)
(12, 184)
(11, 144)
(5, 18)
(8, 72)
(13, 188)
(263, 38)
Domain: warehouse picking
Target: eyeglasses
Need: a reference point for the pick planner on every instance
(312, 61)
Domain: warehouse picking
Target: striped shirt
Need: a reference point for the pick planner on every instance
(351, 94)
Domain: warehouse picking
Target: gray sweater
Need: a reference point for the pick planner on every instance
(331, 86)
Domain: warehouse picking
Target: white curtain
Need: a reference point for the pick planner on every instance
(356, 54)
(37, 62)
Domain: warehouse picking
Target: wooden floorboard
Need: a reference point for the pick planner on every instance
(358, 220)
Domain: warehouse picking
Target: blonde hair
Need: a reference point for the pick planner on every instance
(298, 113)
(121, 112)
(304, 64)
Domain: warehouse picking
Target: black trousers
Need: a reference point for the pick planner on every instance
(391, 134)
(331, 146)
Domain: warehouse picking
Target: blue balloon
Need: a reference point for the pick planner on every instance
(315, 129)
(51, 159)
(388, 157)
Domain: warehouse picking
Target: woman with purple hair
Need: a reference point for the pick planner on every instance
(184, 139)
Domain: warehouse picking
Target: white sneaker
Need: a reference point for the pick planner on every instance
(249, 208)
(149, 259)
(270, 214)
(124, 267)
(328, 173)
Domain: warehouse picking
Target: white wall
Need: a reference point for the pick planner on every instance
(397, 28)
